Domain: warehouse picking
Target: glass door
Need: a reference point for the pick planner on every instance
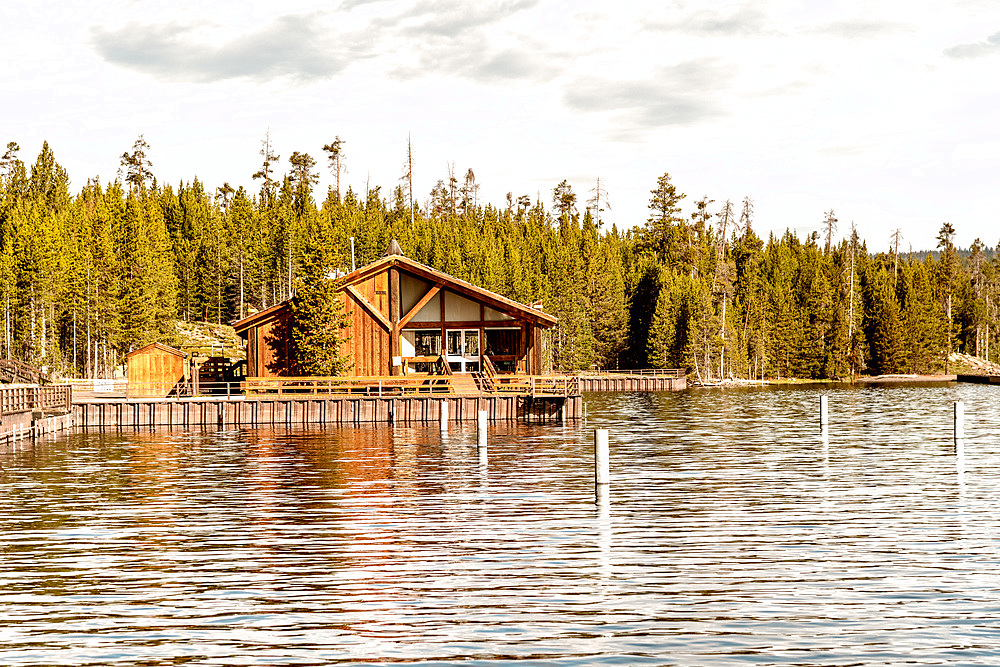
(463, 350)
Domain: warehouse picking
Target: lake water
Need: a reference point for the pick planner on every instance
(734, 533)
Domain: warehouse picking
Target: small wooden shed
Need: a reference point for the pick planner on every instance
(155, 371)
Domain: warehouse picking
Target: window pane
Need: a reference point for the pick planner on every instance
(455, 342)
(503, 341)
(426, 342)
(472, 343)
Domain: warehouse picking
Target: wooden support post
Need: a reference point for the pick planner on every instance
(824, 416)
(444, 414)
(394, 317)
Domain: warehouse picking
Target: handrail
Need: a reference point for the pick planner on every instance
(12, 370)
(409, 385)
(349, 386)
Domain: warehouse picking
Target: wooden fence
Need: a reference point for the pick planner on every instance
(351, 386)
(27, 398)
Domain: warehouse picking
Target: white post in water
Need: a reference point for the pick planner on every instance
(444, 413)
(824, 413)
(602, 469)
(959, 421)
(481, 436)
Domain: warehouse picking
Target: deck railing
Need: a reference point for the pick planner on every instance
(646, 372)
(28, 398)
(408, 385)
(524, 385)
(350, 386)
(12, 370)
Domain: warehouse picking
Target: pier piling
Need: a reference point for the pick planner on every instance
(602, 469)
(959, 422)
(481, 417)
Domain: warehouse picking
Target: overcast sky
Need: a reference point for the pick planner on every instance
(885, 112)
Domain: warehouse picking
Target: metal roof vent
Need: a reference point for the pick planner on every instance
(393, 249)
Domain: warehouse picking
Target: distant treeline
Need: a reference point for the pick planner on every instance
(86, 277)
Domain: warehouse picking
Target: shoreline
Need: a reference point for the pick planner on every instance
(864, 380)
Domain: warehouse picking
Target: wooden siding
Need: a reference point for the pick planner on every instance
(369, 342)
(155, 371)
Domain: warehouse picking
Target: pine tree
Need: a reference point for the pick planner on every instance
(883, 323)
(664, 205)
(319, 322)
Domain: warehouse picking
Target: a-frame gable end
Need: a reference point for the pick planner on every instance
(374, 290)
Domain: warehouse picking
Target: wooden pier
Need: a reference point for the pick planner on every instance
(249, 412)
(669, 379)
(29, 411)
(979, 379)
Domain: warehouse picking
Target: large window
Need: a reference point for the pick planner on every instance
(421, 347)
(503, 347)
(503, 342)
(421, 342)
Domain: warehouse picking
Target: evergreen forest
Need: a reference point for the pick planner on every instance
(88, 274)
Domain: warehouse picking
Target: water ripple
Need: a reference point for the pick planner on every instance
(736, 532)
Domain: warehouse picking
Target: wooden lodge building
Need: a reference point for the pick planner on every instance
(408, 319)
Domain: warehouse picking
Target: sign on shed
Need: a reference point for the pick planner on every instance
(155, 371)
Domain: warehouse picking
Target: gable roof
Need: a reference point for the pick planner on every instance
(395, 258)
(264, 315)
(485, 296)
(157, 346)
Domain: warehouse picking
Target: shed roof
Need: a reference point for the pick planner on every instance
(156, 346)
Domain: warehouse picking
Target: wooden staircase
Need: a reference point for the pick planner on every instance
(12, 371)
(464, 383)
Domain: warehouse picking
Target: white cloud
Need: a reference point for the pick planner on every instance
(298, 47)
(882, 111)
(676, 95)
(988, 47)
